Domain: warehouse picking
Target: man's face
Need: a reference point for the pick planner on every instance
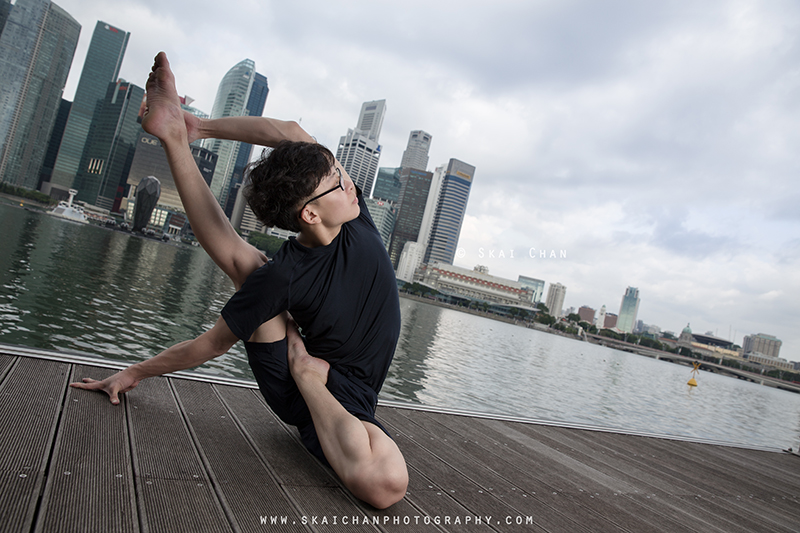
(334, 200)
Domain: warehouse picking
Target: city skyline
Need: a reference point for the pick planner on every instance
(654, 146)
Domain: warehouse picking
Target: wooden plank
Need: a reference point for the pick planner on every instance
(320, 500)
(30, 401)
(635, 458)
(466, 484)
(90, 482)
(244, 484)
(174, 491)
(598, 492)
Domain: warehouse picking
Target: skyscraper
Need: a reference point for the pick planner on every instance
(232, 100)
(628, 309)
(36, 48)
(388, 184)
(555, 299)
(101, 67)
(416, 153)
(416, 185)
(359, 151)
(255, 108)
(536, 286)
(110, 145)
(450, 212)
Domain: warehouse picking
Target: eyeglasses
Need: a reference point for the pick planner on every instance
(317, 197)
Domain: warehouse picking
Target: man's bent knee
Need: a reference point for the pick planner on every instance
(381, 486)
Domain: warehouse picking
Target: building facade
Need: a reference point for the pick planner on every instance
(231, 100)
(387, 185)
(555, 299)
(763, 344)
(536, 285)
(416, 185)
(359, 151)
(450, 209)
(416, 152)
(149, 159)
(628, 309)
(476, 284)
(586, 313)
(108, 152)
(384, 215)
(36, 48)
(255, 108)
(101, 67)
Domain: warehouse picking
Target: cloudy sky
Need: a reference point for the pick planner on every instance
(656, 144)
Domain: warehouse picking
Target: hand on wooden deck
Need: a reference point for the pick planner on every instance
(115, 385)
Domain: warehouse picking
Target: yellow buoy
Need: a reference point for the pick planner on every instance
(695, 370)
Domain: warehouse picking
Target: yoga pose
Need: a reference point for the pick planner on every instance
(334, 278)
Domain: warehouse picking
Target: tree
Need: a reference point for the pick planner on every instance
(266, 243)
(543, 307)
(574, 317)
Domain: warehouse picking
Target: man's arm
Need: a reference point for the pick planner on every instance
(262, 131)
(188, 354)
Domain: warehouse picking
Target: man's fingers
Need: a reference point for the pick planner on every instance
(93, 384)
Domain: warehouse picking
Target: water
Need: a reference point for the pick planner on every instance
(65, 286)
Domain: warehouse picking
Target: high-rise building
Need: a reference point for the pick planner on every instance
(555, 298)
(416, 153)
(762, 344)
(255, 108)
(416, 184)
(600, 320)
(233, 97)
(387, 185)
(383, 214)
(628, 309)
(536, 285)
(55, 141)
(36, 48)
(109, 148)
(359, 151)
(449, 216)
(5, 11)
(101, 67)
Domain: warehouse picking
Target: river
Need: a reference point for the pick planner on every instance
(71, 287)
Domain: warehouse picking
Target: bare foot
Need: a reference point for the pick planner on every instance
(303, 367)
(163, 116)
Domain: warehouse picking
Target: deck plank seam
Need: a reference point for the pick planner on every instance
(486, 490)
(212, 478)
(263, 460)
(680, 492)
(140, 510)
(515, 467)
(54, 441)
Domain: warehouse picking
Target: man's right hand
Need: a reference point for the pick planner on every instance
(115, 385)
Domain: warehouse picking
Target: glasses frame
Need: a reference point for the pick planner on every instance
(317, 197)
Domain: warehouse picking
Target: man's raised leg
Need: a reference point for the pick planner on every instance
(368, 462)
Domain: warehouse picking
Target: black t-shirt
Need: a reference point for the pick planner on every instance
(343, 296)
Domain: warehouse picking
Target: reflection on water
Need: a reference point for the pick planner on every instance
(66, 286)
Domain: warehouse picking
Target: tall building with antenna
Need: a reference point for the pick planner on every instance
(359, 151)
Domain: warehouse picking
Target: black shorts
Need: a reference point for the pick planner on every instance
(271, 369)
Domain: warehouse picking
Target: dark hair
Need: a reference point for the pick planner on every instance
(279, 182)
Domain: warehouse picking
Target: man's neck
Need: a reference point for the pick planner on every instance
(317, 235)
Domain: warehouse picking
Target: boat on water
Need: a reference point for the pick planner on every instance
(69, 211)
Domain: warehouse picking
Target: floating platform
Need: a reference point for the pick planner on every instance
(183, 453)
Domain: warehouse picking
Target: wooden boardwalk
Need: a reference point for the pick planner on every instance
(187, 455)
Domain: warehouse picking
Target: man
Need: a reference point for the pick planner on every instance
(335, 279)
